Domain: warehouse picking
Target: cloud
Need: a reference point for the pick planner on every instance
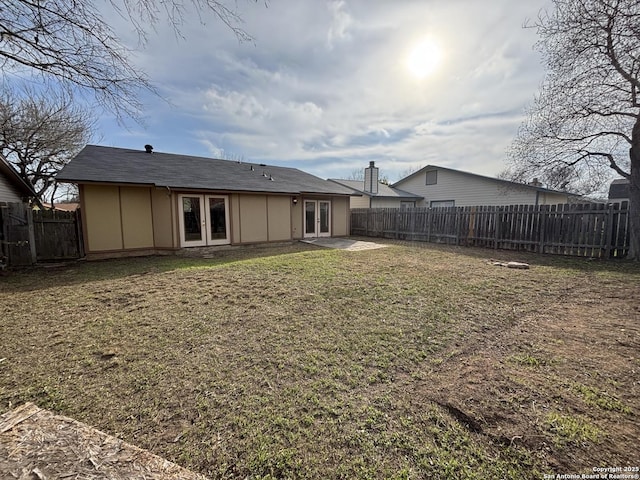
(324, 87)
(340, 23)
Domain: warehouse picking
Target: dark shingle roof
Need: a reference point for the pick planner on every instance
(119, 165)
(15, 178)
(619, 188)
(384, 191)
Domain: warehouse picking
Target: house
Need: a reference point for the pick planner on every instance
(619, 190)
(138, 201)
(370, 193)
(13, 189)
(446, 187)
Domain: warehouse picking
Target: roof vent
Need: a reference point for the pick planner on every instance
(148, 148)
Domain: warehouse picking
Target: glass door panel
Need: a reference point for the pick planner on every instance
(217, 220)
(191, 220)
(309, 218)
(217, 214)
(324, 220)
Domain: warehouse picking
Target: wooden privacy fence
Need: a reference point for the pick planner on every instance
(586, 230)
(58, 235)
(17, 246)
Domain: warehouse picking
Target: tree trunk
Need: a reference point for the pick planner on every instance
(634, 193)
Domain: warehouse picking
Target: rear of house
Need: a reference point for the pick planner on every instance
(137, 202)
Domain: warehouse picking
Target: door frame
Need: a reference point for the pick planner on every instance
(205, 221)
(216, 241)
(317, 232)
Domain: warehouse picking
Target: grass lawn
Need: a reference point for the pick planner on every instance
(406, 362)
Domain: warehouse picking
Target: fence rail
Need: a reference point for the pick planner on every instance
(585, 230)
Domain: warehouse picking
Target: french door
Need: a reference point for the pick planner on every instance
(317, 218)
(204, 220)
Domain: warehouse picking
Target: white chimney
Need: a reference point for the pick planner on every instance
(371, 178)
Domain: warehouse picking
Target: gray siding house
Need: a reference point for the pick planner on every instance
(13, 188)
(446, 187)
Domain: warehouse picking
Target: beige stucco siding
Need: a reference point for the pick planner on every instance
(279, 218)
(297, 220)
(253, 218)
(549, 198)
(360, 202)
(234, 213)
(101, 210)
(163, 228)
(340, 216)
(469, 190)
(137, 220)
(8, 193)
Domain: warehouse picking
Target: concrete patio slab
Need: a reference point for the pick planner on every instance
(344, 244)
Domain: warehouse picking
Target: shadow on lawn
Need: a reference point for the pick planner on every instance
(583, 264)
(79, 272)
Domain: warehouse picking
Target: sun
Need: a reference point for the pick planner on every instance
(424, 58)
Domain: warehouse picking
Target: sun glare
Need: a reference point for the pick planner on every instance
(424, 58)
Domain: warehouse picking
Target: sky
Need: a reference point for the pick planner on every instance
(326, 87)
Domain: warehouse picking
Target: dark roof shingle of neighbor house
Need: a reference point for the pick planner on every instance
(99, 164)
(619, 188)
(383, 190)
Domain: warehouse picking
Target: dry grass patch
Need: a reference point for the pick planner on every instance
(298, 362)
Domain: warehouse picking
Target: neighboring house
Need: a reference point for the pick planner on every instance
(13, 188)
(139, 201)
(619, 190)
(445, 187)
(370, 193)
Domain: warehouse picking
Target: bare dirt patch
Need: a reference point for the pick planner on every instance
(297, 362)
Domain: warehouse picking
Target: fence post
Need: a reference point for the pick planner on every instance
(496, 222)
(32, 236)
(542, 209)
(78, 219)
(413, 224)
(366, 224)
(397, 224)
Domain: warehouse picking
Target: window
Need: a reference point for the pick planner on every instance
(442, 203)
(432, 177)
(407, 204)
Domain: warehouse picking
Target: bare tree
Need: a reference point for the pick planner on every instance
(357, 174)
(69, 44)
(585, 121)
(40, 133)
